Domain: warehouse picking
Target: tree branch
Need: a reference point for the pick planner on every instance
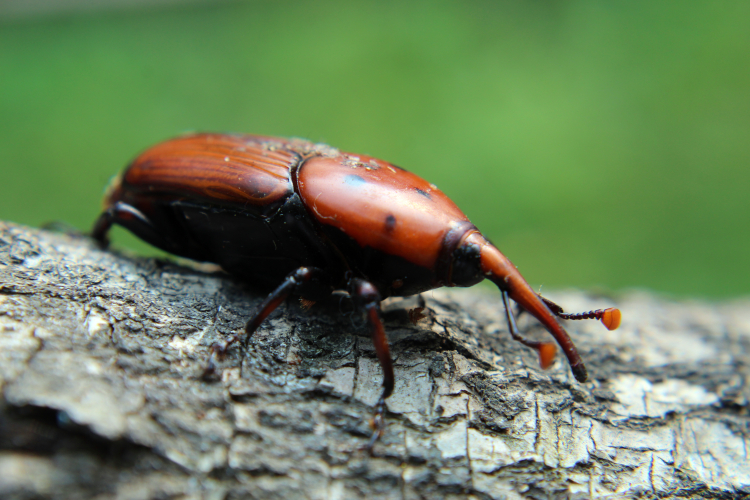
(101, 357)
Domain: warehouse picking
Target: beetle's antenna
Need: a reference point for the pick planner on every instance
(610, 317)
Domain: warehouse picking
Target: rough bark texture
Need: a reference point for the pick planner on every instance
(101, 357)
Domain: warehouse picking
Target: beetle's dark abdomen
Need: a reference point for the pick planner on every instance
(261, 249)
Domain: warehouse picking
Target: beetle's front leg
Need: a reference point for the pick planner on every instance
(546, 350)
(307, 281)
(367, 297)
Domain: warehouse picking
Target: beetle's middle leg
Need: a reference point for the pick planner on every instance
(367, 298)
(310, 282)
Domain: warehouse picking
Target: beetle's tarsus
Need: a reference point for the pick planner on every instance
(377, 423)
(101, 229)
(218, 351)
(306, 304)
(416, 315)
(295, 282)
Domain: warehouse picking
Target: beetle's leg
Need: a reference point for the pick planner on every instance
(301, 281)
(367, 297)
(417, 313)
(546, 350)
(130, 218)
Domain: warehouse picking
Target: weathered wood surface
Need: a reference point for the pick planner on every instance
(101, 358)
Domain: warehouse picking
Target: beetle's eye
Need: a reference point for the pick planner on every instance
(466, 269)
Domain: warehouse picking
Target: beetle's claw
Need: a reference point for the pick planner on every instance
(416, 314)
(209, 371)
(102, 242)
(218, 351)
(306, 304)
(377, 424)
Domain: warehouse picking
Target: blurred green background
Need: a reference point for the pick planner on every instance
(598, 144)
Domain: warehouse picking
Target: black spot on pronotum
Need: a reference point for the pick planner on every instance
(424, 193)
(354, 180)
(390, 223)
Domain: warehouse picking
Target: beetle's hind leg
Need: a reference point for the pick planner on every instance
(131, 219)
(310, 282)
(367, 298)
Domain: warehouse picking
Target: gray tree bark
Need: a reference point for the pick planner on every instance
(101, 357)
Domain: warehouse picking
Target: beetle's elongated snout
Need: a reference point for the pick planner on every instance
(497, 268)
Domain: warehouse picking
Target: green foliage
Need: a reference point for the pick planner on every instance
(597, 143)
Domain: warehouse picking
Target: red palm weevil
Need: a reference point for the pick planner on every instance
(307, 219)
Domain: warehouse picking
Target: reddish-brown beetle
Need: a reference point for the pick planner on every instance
(310, 219)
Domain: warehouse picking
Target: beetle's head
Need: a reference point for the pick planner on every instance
(475, 258)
